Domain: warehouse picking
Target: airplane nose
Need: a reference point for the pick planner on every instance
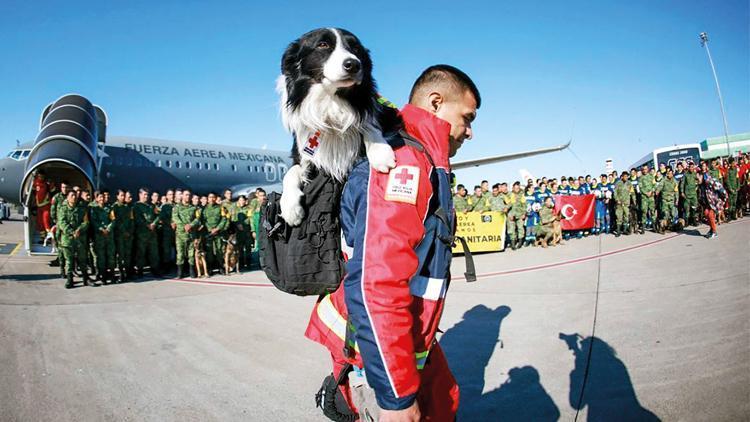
(352, 66)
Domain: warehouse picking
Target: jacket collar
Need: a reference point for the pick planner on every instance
(432, 131)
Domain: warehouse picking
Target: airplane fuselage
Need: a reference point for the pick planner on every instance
(130, 163)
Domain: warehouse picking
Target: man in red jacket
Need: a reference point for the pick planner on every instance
(384, 318)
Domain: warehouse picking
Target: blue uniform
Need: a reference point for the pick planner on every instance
(532, 217)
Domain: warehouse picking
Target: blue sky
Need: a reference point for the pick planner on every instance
(621, 77)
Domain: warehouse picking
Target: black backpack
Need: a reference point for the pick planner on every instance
(307, 259)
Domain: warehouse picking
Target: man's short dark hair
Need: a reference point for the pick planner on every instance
(446, 75)
(259, 190)
(142, 190)
(496, 186)
(460, 186)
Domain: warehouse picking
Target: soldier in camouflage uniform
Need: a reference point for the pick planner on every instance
(668, 190)
(73, 222)
(547, 217)
(635, 200)
(215, 222)
(146, 222)
(103, 224)
(478, 202)
(124, 221)
(460, 203)
(689, 194)
(516, 220)
(647, 185)
(240, 217)
(58, 200)
(733, 186)
(186, 219)
(167, 232)
(623, 195)
(497, 199)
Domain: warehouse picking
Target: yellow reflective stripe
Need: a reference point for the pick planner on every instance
(332, 319)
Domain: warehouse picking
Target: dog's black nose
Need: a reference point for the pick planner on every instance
(352, 66)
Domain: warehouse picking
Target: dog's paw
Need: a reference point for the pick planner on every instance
(291, 208)
(381, 156)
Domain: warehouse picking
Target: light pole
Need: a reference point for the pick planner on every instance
(704, 43)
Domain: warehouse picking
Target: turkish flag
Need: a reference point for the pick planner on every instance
(576, 212)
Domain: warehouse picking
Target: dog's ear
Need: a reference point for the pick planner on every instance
(290, 59)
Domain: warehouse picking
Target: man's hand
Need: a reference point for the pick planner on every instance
(410, 414)
(151, 226)
(174, 226)
(214, 231)
(187, 228)
(105, 232)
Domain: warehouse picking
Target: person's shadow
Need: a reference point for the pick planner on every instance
(468, 347)
(608, 391)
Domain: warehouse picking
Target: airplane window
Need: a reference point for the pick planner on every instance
(26, 153)
(216, 166)
(187, 164)
(206, 166)
(257, 169)
(198, 166)
(250, 168)
(16, 155)
(234, 167)
(177, 164)
(158, 163)
(169, 163)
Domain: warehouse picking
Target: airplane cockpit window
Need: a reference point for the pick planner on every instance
(16, 155)
(10, 154)
(26, 153)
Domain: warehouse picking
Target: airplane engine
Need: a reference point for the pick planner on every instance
(66, 148)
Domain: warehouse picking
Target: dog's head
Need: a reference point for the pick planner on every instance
(327, 65)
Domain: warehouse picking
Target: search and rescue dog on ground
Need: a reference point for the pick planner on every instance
(330, 105)
(201, 268)
(231, 255)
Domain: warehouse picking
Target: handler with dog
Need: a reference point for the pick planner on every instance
(393, 306)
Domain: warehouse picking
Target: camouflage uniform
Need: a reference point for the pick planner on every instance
(516, 217)
(647, 185)
(546, 219)
(241, 220)
(623, 195)
(214, 217)
(167, 246)
(124, 222)
(103, 244)
(689, 191)
(73, 222)
(183, 215)
(733, 186)
(668, 190)
(478, 204)
(146, 243)
(460, 203)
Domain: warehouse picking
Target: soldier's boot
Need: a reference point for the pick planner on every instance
(618, 230)
(179, 271)
(55, 262)
(86, 280)
(100, 277)
(192, 272)
(513, 244)
(69, 281)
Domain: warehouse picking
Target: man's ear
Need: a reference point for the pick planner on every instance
(435, 101)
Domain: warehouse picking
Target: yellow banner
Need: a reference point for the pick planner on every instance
(484, 232)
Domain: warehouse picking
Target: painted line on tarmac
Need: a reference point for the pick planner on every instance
(221, 283)
(572, 261)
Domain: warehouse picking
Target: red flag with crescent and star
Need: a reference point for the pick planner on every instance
(576, 212)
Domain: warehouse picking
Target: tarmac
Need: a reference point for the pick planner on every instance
(640, 327)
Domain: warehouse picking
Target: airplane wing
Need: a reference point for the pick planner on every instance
(505, 157)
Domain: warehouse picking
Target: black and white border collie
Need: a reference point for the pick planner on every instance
(329, 103)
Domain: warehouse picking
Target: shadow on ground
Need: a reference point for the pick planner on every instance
(469, 346)
(601, 382)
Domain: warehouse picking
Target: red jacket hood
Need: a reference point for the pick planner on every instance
(431, 130)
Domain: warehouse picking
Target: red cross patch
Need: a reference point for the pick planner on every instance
(403, 184)
(312, 144)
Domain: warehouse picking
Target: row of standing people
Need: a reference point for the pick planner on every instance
(647, 198)
(118, 240)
